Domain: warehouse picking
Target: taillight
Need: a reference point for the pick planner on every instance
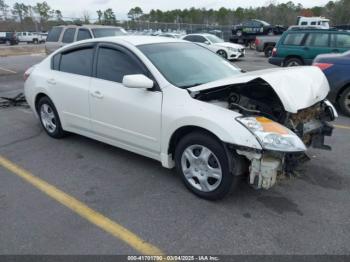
(257, 41)
(27, 73)
(274, 51)
(323, 66)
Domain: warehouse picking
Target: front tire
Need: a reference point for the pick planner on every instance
(49, 118)
(222, 53)
(344, 101)
(204, 166)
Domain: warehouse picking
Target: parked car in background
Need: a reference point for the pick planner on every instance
(204, 116)
(62, 35)
(319, 21)
(337, 70)
(227, 50)
(257, 27)
(300, 47)
(31, 37)
(8, 38)
(266, 44)
(171, 35)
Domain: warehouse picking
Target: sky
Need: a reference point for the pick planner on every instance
(75, 8)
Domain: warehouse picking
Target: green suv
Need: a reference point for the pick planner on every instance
(300, 46)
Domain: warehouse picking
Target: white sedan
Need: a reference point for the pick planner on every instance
(183, 105)
(227, 50)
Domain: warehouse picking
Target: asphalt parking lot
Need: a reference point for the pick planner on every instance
(304, 215)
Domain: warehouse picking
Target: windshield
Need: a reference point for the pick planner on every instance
(214, 39)
(104, 32)
(186, 64)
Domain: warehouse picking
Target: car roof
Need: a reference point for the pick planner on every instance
(203, 34)
(89, 26)
(137, 40)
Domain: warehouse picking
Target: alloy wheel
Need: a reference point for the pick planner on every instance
(201, 168)
(48, 118)
(222, 53)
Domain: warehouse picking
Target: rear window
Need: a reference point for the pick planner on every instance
(83, 34)
(341, 40)
(68, 36)
(77, 62)
(294, 39)
(104, 32)
(54, 34)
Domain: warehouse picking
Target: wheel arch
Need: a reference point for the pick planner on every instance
(183, 131)
(293, 56)
(341, 90)
(39, 96)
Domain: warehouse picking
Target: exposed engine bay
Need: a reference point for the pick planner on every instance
(258, 98)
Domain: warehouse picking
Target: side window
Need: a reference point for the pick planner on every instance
(294, 39)
(314, 23)
(304, 23)
(200, 39)
(113, 65)
(54, 34)
(189, 38)
(83, 34)
(77, 61)
(341, 40)
(68, 36)
(317, 39)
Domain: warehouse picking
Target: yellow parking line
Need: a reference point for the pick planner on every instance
(83, 210)
(8, 70)
(342, 127)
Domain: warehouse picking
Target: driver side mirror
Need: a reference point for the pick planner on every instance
(137, 81)
(207, 42)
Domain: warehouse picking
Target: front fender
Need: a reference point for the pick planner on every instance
(180, 110)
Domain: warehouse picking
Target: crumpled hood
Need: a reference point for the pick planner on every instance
(227, 44)
(297, 87)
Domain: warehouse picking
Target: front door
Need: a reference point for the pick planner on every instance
(130, 118)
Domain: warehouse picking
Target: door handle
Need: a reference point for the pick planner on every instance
(97, 94)
(51, 81)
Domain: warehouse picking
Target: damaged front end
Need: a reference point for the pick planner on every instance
(286, 111)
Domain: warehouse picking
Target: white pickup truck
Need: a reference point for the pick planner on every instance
(31, 37)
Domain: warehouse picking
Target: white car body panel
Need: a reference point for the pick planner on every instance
(294, 89)
(144, 121)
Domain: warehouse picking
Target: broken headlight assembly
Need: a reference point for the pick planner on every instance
(272, 135)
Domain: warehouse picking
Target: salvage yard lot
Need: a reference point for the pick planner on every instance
(304, 215)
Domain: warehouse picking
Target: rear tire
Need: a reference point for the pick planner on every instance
(268, 51)
(344, 101)
(49, 118)
(293, 62)
(204, 166)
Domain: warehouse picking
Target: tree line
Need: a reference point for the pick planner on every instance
(42, 16)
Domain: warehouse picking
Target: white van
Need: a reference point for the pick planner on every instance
(317, 21)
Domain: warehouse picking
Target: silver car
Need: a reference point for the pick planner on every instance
(62, 35)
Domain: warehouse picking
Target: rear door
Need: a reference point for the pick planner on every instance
(292, 45)
(316, 43)
(69, 84)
